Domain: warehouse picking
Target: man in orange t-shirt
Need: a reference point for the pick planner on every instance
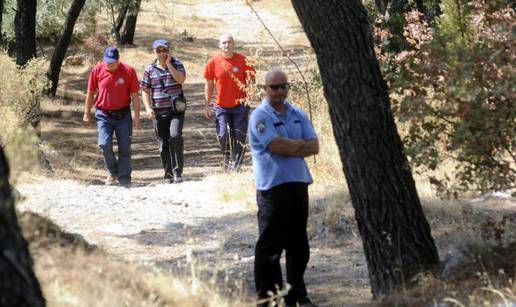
(231, 73)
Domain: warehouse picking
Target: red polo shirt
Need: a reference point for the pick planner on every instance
(225, 72)
(114, 87)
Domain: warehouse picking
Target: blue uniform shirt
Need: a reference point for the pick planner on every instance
(265, 125)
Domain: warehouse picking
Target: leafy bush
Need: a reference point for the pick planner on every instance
(453, 94)
(20, 90)
(50, 18)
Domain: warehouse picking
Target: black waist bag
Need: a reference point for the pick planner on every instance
(119, 114)
(178, 103)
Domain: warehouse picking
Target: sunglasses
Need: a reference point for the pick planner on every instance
(161, 50)
(276, 87)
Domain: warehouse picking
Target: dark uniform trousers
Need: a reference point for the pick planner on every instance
(282, 219)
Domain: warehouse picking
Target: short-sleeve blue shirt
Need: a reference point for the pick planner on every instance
(266, 124)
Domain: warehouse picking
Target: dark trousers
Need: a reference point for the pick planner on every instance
(169, 133)
(282, 218)
(232, 132)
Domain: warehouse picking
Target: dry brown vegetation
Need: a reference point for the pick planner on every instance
(73, 274)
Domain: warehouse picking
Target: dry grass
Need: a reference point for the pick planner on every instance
(74, 274)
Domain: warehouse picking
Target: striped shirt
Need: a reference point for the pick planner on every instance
(162, 84)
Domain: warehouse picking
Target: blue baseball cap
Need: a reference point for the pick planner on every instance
(111, 55)
(160, 42)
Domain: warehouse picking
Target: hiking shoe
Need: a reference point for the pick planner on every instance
(168, 178)
(303, 302)
(111, 180)
(126, 185)
(178, 178)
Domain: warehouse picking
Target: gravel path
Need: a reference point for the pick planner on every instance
(127, 222)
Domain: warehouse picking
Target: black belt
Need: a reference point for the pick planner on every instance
(116, 114)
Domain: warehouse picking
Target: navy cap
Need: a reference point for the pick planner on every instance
(160, 42)
(111, 55)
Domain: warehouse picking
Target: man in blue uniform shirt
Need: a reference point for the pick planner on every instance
(281, 136)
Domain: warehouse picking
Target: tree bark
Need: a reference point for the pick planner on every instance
(62, 44)
(127, 36)
(121, 17)
(115, 30)
(25, 31)
(1, 19)
(381, 5)
(395, 233)
(18, 284)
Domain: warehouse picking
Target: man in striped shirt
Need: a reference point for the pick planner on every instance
(161, 86)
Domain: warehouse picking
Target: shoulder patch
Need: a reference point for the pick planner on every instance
(260, 126)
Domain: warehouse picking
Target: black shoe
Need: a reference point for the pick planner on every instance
(168, 178)
(303, 302)
(177, 178)
(126, 185)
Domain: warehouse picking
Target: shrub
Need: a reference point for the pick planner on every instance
(50, 18)
(20, 90)
(453, 94)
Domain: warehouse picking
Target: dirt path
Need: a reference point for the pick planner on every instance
(172, 225)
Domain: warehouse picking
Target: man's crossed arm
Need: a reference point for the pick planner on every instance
(294, 147)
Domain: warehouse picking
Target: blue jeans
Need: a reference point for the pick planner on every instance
(123, 130)
(232, 141)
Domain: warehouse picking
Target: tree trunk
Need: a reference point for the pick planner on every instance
(62, 44)
(115, 30)
(127, 36)
(25, 31)
(395, 233)
(121, 17)
(381, 5)
(1, 15)
(18, 284)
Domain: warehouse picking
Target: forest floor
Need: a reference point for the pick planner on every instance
(209, 220)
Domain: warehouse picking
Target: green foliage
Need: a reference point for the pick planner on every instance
(50, 18)
(456, 20)
(453, 93)
(20, 92)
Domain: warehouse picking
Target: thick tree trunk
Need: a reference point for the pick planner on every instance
(62, 44)
(127, 36)
(25, 31)
(395, 233)
(18, 284)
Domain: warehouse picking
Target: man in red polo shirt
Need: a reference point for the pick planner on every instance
(231, 73)
(112, 86)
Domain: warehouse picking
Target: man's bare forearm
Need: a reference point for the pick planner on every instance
(285, 146)
(136, 104)
(146, 99)
(88, 102)
(310, 148)
(179, 76)
(208, 91)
